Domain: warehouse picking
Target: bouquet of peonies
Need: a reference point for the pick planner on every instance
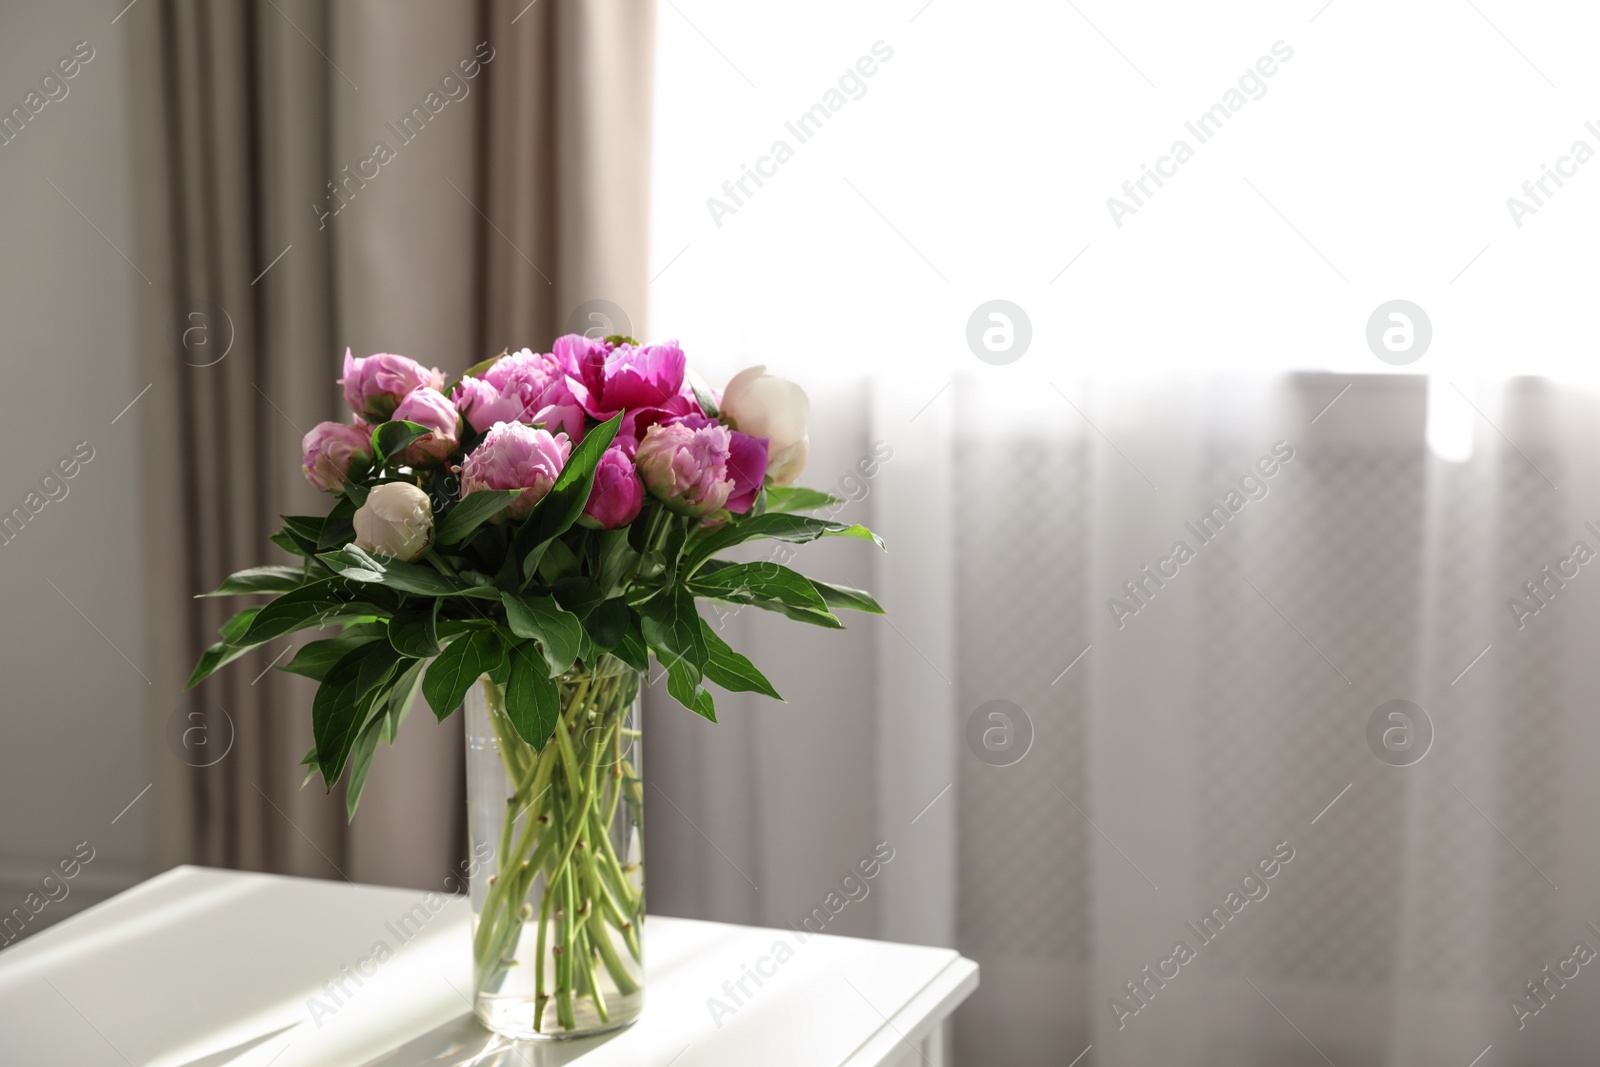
(531, 533)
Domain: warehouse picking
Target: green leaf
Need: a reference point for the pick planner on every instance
(310, 764)
(752, 583)
(798, 498)
(702, 395)
(316, 658)
(533, 699)
(360, 763)
(449, 628)
(577, 594)
(816, 616)
(777, 525)
(238, 625)
(558, 631)
(286, 541)
(474, 510)
(558, 562)
(359, 565)
(672, 544)
(304, 527)
(608, 623)
(480, 583)
(731, 670)
(339, 528)
(825, 619)
(230, 648)
(560, 508)
(617, 560)
(308, 605)
(703, 705)
(299, 534)
(412, 632)
(671, 625)
(391, 437)
(632, 649)
(270, 579)
(213, 659)
(355, 564)
(671, 628)
(500, 673)
(457, 667)
(313, 604)
(342, 699)
(402, 694)
(842, 596)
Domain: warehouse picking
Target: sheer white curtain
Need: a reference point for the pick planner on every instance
(1208, 732)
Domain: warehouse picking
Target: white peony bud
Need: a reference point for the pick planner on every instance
(758, 404)
(396, 521)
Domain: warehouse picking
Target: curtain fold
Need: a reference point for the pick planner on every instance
(407, 177)
(1183, 737)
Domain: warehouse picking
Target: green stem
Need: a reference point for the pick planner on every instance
(608, 955)
(501, 919)
(539, 997)
(564, 967)
(569, 792)
(652, 537)
(592, 987)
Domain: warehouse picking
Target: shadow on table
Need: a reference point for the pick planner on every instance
(463, 1042)
(232, 1055)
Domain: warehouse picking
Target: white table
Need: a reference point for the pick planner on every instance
(207, 968)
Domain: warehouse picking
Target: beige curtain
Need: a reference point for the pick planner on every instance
(439, 180)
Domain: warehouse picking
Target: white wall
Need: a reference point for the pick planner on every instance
(73, 749)
(978, 161)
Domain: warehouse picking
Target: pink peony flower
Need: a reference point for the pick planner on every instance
(687, 467)
(617, 495)
(581, 357)
(430, 408)
(645, 383)
(624, 378)
(482, 405)
(747, 462)
(329, 450)
(747, 466)
(374, 386)
(523, 387)
(514, 456)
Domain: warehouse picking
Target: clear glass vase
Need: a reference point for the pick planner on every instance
(558, 911)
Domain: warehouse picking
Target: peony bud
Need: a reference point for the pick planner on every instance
(430, 408)
(686, 467)
(761, 405)
(617, 494)
(514, 456)
(329, 450)
(396, 521)
(374, 386)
